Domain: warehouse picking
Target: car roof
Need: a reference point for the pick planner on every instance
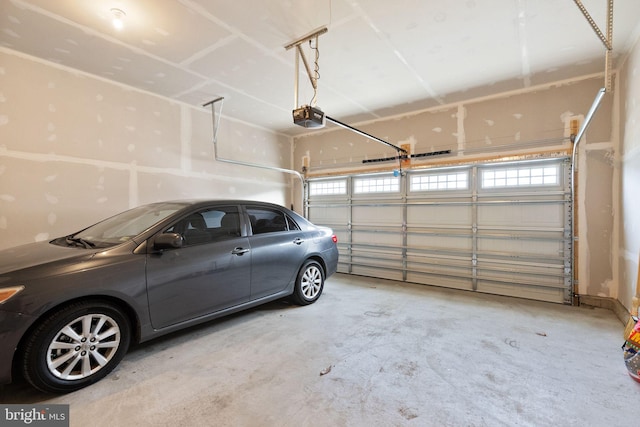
(189, 204)
(205, 202)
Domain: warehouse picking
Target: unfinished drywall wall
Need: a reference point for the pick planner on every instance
(629, 159)
(596, 223)
(529, 122)
(75, 148)
(510, 122)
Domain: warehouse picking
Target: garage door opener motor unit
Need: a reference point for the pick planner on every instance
(308, 117)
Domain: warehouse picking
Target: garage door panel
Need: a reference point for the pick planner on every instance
(328, 214)
(334, 217)
(381, 259)
(434, 279)
(344, 264)
(540, 293)
(522, 247)
(504, 233)
(449, 266)
(539, 216)
(377, 271)
(439, 242)
(523, 274)
(376, 238)
(439, 215)
(377, 215)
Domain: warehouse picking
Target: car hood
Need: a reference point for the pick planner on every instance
(33, 254)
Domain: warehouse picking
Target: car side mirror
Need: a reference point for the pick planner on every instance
(168, 241)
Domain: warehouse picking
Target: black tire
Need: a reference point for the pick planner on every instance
(63, 353)
(309, 283)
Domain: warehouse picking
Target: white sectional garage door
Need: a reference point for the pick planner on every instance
(500, 228)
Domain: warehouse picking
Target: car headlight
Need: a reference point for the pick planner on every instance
(7, 293)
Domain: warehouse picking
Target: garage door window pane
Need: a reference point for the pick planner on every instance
(448, 181)
(521, 177)
(376, 185)
(327, 188)
(550, 176)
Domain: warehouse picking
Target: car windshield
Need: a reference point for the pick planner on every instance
(121, 227)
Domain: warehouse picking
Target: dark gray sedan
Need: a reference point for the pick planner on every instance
(69, 308)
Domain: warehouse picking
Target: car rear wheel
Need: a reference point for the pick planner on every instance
(309, 283)
(76, 346)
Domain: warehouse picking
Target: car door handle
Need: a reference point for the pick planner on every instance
(298, 241)
(239, 251)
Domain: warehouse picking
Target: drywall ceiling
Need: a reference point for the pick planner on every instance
(379, 58)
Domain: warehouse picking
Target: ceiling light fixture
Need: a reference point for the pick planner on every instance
(118, 18)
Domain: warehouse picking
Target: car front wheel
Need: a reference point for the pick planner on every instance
(76, 346)
(309, 283)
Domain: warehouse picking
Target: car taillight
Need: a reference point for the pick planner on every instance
(334, 238)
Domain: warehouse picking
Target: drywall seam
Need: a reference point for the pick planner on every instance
(185, 139)
(522, 37)
(461, 137)
(207, 80)
(225, 41)
(133, 89)
(134, 200)
(100, 35)
(386, 40)
(43, 158)
(197, 8)
(137, 50)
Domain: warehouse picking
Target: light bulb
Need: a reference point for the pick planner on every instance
(118, 18)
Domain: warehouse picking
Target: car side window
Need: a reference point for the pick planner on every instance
(265, 220)
(208, 225)
(291, 223)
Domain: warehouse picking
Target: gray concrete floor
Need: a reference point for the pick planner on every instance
(371, 353)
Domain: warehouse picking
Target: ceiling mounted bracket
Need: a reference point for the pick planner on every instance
(300, 54)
